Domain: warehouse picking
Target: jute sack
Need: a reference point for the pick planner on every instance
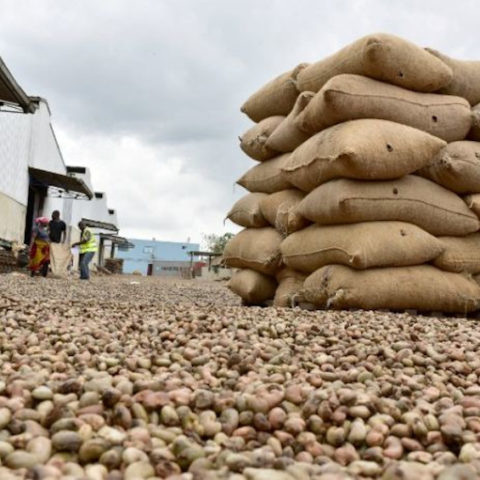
(409, 199)
(266, 177)
(365, 149)
(384, 57)
(347, 97)
(254, 248)
(475, 130)
(466, 77)
(456, 167)
(287, 136)
(253, 141)
(422, 287)
(277, 97)
(461, 254)
(280, 209)
(246, 211)
(473, 202)
(359, 245)
(290, 284)
(60, 259)
(252, 287)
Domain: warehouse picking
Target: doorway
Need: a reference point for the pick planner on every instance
(36, 199)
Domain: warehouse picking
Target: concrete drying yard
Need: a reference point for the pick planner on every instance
(128, 377)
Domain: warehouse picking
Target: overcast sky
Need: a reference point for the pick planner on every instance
(147, 92)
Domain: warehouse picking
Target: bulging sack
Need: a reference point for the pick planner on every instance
(365, 149)
(60, 259)
(277, 97)
(475, 130)
(359, 245)
(409, 199)
(246, 211)
(287, 136)
(466, 77)
(461, 254)
(456, 167)
(254, 248)
(253, 141)
(290, 285)
(423, 287)
(384, 57)
(280, 209)
(347, 97)
(267, 177)
(253, 287)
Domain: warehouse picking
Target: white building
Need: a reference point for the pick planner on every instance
(34, 179)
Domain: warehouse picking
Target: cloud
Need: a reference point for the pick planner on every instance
(153, 189)
(148, 93)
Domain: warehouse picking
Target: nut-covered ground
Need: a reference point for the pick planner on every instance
(134, 378)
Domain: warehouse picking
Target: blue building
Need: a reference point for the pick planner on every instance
(152, 257)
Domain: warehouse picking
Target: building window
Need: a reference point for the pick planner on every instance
(147, 249)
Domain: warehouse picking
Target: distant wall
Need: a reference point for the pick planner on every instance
(148, 252)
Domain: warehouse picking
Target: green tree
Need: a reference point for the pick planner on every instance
(216, 243)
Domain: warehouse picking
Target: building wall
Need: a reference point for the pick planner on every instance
(26, 140)
(15, 132)
(12, 218)
(44, 149)
(147, 252)
(165, 268)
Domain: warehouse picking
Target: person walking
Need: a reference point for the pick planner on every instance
(88, 247)
(39, 256)
(57, 229)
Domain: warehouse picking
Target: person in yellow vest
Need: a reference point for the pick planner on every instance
(88, 247)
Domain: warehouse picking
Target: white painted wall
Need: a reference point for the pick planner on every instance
(12, 218)
(26, 140)
(44, 150)
(15, 133)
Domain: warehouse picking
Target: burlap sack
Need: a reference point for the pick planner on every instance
(456, 167)
(60, 259)
(246, 211)
(422, 287)
(253, 141)
(266, 177)
(287, 136)
(384, 57)
(359, 245)
(347, 97)
(461, 254)
(366, 149)
(475, 130)
(277, 97)
(280, 209)
(254, 248)
(473, 202)
(409, 199)
(252, 287)
(466, 77)
(290, 284)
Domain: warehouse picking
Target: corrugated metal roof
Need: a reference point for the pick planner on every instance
(11, 92)
(64, 182)
(101, 225)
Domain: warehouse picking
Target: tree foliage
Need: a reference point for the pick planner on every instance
(216, 243)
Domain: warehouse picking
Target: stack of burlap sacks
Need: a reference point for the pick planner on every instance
(367, 193)
(114, 265)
